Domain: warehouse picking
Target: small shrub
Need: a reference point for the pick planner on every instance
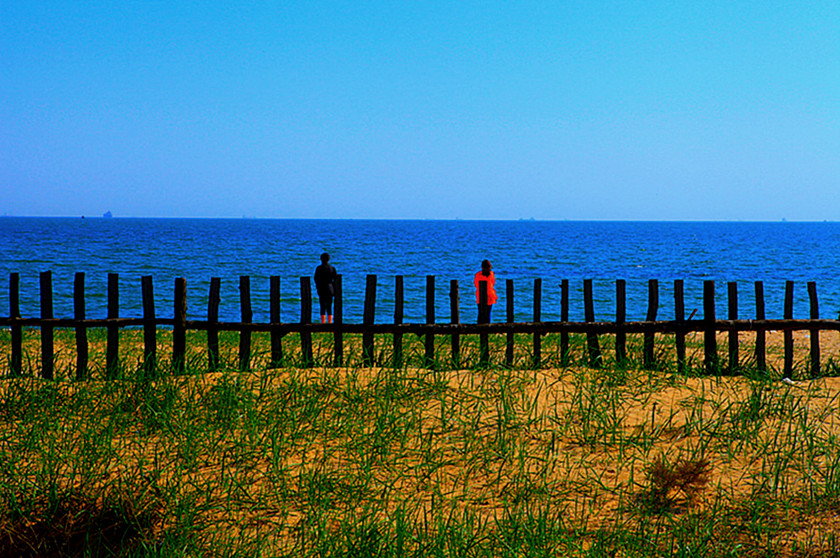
(673, 484)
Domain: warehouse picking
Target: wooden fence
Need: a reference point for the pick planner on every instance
(709, 325)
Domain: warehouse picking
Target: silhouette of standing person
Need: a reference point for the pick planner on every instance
(487, 276)
(325, 275)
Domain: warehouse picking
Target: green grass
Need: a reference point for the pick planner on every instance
(415, 461)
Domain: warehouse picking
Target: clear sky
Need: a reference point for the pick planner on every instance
(439, 109)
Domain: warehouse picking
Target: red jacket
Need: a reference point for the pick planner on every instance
(491, 290)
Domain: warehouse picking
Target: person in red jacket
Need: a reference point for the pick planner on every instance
(487, 276)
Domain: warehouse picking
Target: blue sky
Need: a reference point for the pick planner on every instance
(722, 110)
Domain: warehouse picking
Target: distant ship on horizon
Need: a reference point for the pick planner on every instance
(107, 215)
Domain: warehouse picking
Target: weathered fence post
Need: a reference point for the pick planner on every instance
(653, 308)
(564, 317)
(455, 318)
(179, 329)
(368, 319)
(47, 348)
(788, 334)
(679, 316)
(509, 341)
(760, 335)
(338, 319)
(483, 318)
(429, 358)
(17, 331)
(732, 295)
(274, 318)
(247, 317)
(815, 332)
(592, 344)
(213, 300)
(112, 345)
(306, 318)
(620, 318)
(483, 306)
(81, 329)
(399, 295)
(537, 319)
(710, 357)
(149, 328)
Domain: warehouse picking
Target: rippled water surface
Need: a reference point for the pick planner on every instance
(198, 249)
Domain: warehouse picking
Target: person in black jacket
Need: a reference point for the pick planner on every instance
(325, 285)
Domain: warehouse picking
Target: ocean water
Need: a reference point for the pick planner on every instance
(198, 249)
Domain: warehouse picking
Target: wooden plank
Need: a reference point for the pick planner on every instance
(179, 330)
(592, 344)
(679, 317)
(815, 333)
(112, 343)
(247, 316)
(47, 333)
(620, 318)
(509, 337)
(213, 301)
(499, 328)
(16, 361)
(760, 337)
(121, 322)
(732, 298)
(81, 330)
(276, 339)
(306, 318)
(710, 356)
(564, 317)
(429, 357)
(649, 359)
(537, 363)
(455, 318)
(483, 318)
(338, 318)
(149, 327)
(368, 318)
(399, 303)
(788, 335)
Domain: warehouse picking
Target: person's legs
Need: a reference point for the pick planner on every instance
(326, 302)
(326, 308)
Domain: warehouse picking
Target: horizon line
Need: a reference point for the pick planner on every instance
(450, 219)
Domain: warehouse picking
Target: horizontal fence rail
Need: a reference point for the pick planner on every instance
(707, 324)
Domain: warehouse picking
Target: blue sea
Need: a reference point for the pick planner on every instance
(198, 249)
